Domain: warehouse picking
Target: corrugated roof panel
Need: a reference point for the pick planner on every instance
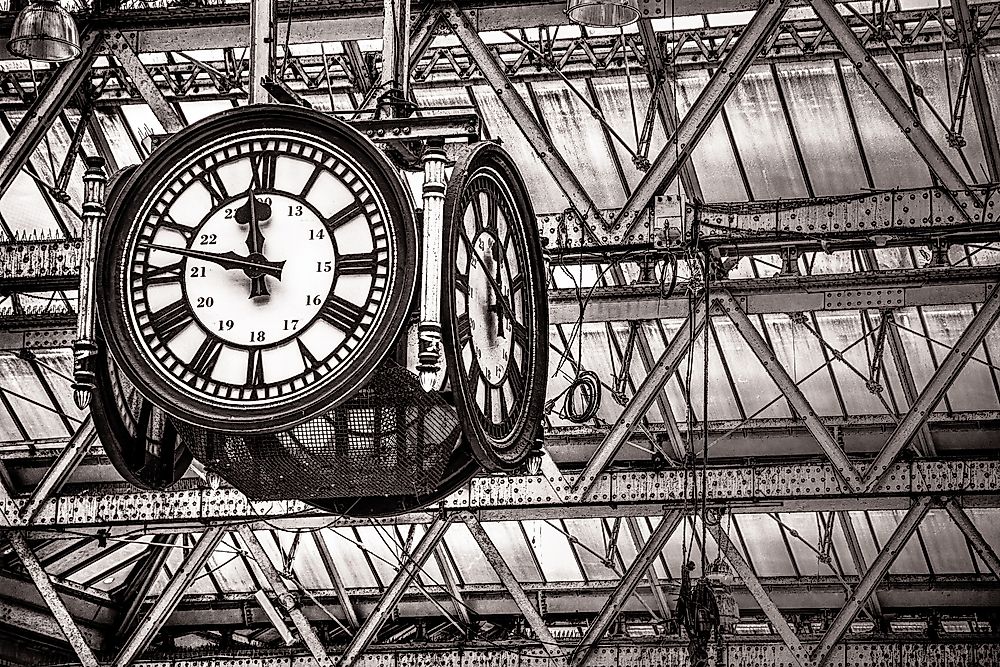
(613, 99)
(553, 551)
(119, 138)
(713, 157)
(821, 122)
(942, 92)
(755, 386)
(762, 138)
(347, 558)
(974, 388)
(839, 329)
(472, 565)
(579, 137)
(764, 544)
(509, 538)
(592, 548)
(946, 546)
(801, 355)
(308, 565)
(545, 193)
(23, 207)
(28, 399)
(142, 123)
(894, 162)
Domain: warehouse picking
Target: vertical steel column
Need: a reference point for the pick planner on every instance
(519, 110)
(60, 470)
(845, 469)
(969, 40)
(742, 568)
(170, 596)
(969, 529)
(656, 72)
(411, 564)
(644, 396)
(943, 377)
(626, 586)
(338, 582)
(148, 90)
(85, 347)
(870, 579)
(513, 586)
(893, 102)
(857, 557)
(432, 256)
(651, 576)
(713, 96)
(263, 37)
(285, 597)
(43, 112)
(395, 78)
(33, 567)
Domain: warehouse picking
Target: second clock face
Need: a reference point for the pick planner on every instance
(262, 267)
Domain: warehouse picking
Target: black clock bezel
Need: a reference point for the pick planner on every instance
(113, 272)
(509, 451)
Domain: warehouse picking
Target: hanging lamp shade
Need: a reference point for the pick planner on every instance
(45, 31)
(603, 13)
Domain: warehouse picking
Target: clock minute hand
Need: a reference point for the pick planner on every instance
(251, 213)
(489, 278)
(227, 260)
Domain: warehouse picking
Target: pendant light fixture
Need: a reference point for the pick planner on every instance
(603, 13)
(44, 31)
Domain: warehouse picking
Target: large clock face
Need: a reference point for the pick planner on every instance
(263, 274)
(494, 305)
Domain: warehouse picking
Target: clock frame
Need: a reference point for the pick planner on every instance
(495, 320)
(300, 330)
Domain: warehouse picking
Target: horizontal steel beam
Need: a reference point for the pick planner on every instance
(761, 652)
(500, 497)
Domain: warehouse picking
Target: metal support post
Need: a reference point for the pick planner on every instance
(429, 355)
(656, 73)
(651, 576)
(285, 597)
(338, 582)
(909, 386)
(395, 78)
(886, 92)
(519, 110)
(743, 569)
(85, 347)
(790, 390)
(148, 90)
(969, 529)
(943, 377)
(969, 40)
(263, 38)
(33, 567)
(170, 596)
(857, 557)
(45, 109)
(411, 564)
(447, 572)
(626, 586)
(644, 396)
(513, 586)
(713, 96)
(871, 579)
(140, 582)
(60, 470)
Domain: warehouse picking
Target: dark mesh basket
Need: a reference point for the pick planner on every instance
(391, 438)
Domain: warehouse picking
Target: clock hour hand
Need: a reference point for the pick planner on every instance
(254, 265)
(251, 213)
(493, 282)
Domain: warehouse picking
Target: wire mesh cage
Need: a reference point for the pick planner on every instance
(391, 438)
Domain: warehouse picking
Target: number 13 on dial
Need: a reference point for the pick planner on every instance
(258, 267)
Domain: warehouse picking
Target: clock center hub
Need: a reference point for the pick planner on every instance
(490, 307)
